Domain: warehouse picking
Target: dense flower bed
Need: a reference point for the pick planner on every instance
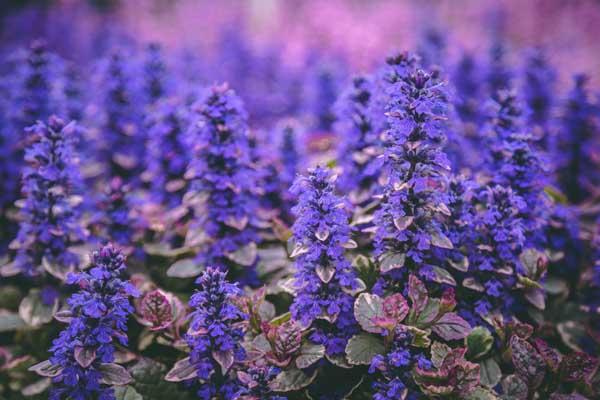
(428, 229)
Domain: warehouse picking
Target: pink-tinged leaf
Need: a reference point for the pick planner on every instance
(528, 363)
(237, 223)
(402, 223)
(367, 307)
(451, 327)
(325, 272)
(45, 368)
(64, 316)
(441, 240)
(514, 388)
(551, 356)
(114, 375)
(392, 261)
(448, 300)
(395, 307)
(156, 309)
(322, 235)
(181, 371)
(224, 358)
(417, 292)
(84, 356)
(524, 331)
(247, 379)
(578, 367)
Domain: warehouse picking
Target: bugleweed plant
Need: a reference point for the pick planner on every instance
(426, 229)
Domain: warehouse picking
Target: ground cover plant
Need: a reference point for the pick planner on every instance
(426, 229)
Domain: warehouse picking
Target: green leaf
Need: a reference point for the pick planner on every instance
(309, 354)
(392, 261)
(361, 348)
(11, 322)
(33, 310)
(481, 394)
(478, 343)
(366, 307)
(429, 313)
(420, 337)
(292, 380)
(489, 373)
(556, 195)
(451, 327)
(186, 268)
(339, 360)
(127, 393)
(281, 319)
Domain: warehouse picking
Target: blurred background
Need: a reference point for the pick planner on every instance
(361, 32)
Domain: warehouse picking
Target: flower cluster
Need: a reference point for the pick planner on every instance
(222, 171)
(120, 147)
(538, 88)
(33, 97)
(494, 258)
(578, 145)
(358, 151)
(517, 164)
(115, 218)
(84, 352)
(324, 277)
(155, 74)
(257, 381)
(409, 220)
(395, 368)
(215, 336)
(167, 152)
(50, 213)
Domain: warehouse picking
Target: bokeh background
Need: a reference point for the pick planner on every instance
(360, 31)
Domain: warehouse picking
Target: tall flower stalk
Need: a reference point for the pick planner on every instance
(122, 146)
(578, 148)
(84, 352)
(539, 86)
(215, 336)
(517, 164)
(222, 171)
(358, 151)
(410, 219)
(168, 153)
(50, 214)
(324, 279)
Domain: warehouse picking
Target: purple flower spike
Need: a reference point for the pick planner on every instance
(358, 152)
(215, 336)
(324, 277)
(410, 219)
(98, 319)
(50, 214)
(222, 170)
